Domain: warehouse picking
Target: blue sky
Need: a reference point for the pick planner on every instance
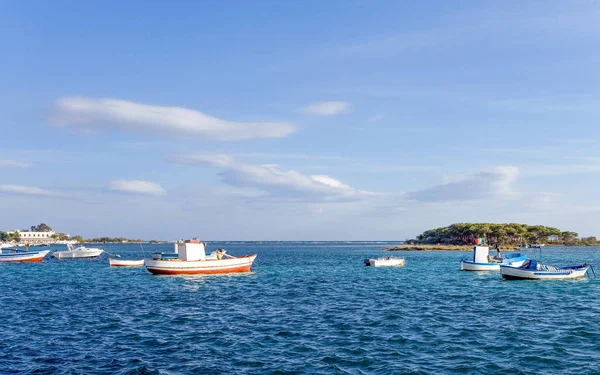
(285, 120)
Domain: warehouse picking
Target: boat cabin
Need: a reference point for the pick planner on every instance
(191, 250)
(480, 254)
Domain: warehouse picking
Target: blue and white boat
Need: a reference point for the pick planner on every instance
(18, 255)
(481, 260)
(532, 270)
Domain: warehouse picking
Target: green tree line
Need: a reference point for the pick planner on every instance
(502, 234)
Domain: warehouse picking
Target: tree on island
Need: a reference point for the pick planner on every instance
(41, 228)
(10, 237)
(502, 234)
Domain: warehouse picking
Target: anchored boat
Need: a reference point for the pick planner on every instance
(78, 252)
(190, 258)
(532, 270)
(17, 255)
(125, 263)
(385, 261)
(482, 261)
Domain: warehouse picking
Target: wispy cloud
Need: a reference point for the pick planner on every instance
(274, 181)
(137, 187)
(13, 164)
(497, 182)
(327, 108)
(26, 190)
(375, 118)
(94, 114)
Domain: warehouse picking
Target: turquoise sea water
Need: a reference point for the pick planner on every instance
(307, 308)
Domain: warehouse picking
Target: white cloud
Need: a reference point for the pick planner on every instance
(137, 187)
(327, 108)
(13, 164)
(89, 114)
(275, 181)
(26, 190)
(375, 118)
(495, 183)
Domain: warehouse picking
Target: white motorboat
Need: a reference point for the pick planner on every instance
(125, 263)
(77, 252)
(190, 258)
(384, 261)
(482, 261)
(532, 270)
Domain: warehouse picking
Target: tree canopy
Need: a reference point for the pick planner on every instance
(41, 228)
(502, 234)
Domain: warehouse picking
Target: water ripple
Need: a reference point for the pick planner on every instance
(306, 309)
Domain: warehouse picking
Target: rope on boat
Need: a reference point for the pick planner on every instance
(594, 272)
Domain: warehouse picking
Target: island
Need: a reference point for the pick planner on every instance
(462, 236)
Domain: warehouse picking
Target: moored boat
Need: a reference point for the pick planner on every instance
(384, 261)
(15, 255)
(190, 258)
(78, 252)
(481, 260)
(125, 263)
(532, 270)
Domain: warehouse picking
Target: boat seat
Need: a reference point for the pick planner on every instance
(543, 267)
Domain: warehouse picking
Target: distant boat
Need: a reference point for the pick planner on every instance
(532, 270)
(190, 259)
(16, 255)
(481, 260)
(78, 252)
(125, 263)
(384, 261)
(533, 246)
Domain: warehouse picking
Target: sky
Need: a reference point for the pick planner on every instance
(298, 120)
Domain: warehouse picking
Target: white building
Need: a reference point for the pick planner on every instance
(35, 236)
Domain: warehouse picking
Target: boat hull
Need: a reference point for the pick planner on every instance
(467, 265)
(125, 263)
(90, 253)
(513, 273)
(33, 256)
(202, 267)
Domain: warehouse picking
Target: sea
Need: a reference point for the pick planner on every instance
(306, 308)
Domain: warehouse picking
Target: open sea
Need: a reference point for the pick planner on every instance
(307, 308)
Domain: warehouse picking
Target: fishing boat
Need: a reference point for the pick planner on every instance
(532, 270)
(481, 260)
(125, 263)
(18, 255)
(190, 258)
(78, 252)
(384, 261)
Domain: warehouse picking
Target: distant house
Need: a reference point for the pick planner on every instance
(35, 236)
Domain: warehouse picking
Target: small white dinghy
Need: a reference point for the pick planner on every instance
(78, 252)
(125, 263)
(384, 261)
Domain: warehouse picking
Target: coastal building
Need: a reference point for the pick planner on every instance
(35, 236)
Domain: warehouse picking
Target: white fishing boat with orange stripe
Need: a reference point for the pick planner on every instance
(190, 258)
